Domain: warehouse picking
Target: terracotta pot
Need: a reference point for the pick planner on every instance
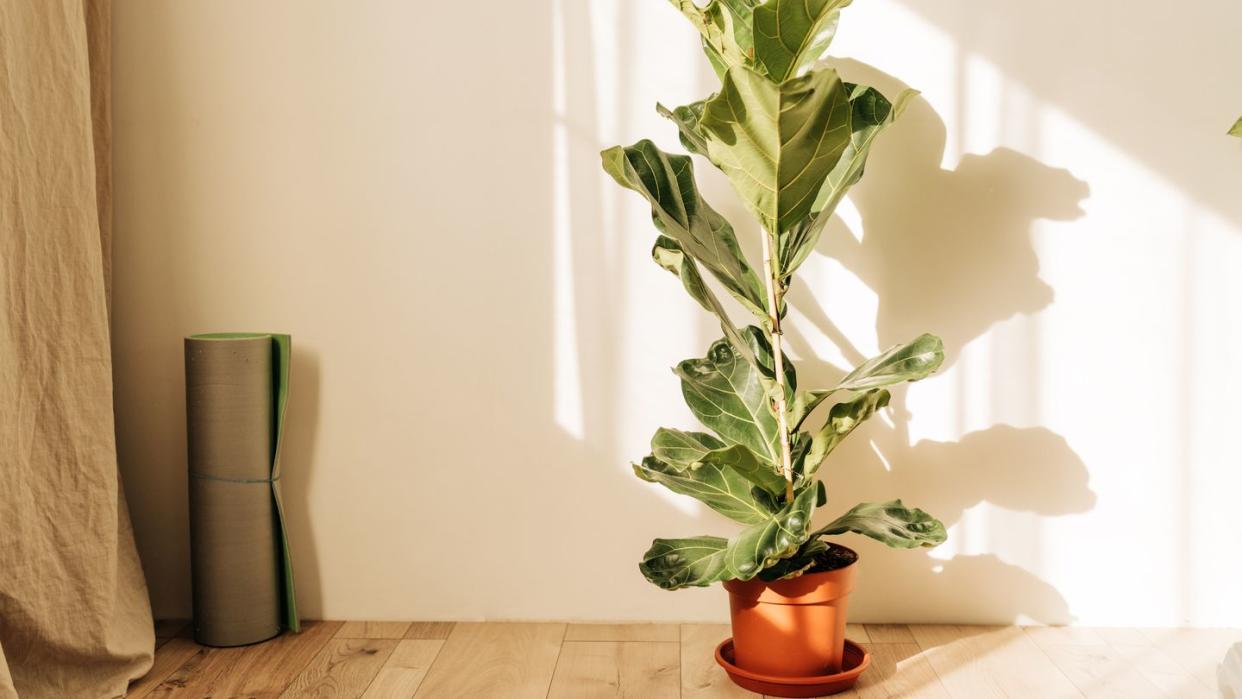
(791, 628)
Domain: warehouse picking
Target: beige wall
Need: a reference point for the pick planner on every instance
(482, 344)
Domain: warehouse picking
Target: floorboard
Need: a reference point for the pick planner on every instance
(433, 659)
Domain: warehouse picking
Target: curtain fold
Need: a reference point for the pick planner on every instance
(74, 613)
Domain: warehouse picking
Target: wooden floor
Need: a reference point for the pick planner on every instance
(651, 661)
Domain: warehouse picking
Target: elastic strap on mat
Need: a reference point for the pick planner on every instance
(204, 476)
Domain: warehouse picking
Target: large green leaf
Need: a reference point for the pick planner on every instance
(890, 522)
(870, 114)
(909, 362)
(777, 143)
(790, 35)
(729, 395)
(843, 418)
(717, 486)
(669, 255)
(726, 29)
(762, 545)
(684, 450)
(747, 464)
(694, 562)
(703, 560)
(900, 363)
(667, 182)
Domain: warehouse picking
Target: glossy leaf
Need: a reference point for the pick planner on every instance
(703, 560)
(890, 522)
(762, 545)
(730, 396)
(870, 114)
(694, 562)
(900, 363)
(843, 418)
(777, 143)
(667, 182)
(686, 450)
(682, 449)
(759, 472)
(725, 26)
(669, 255)
(791, 35)
(717, 486)
(909, 362)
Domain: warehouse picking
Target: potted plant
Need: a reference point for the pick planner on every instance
(792, 137)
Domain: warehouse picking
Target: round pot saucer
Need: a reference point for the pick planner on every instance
(855, 661)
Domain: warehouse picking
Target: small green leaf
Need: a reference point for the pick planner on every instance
(843, 418)
(669, 255)
(890, 522)
(791, 35)
(726, 29)
(777, 143)
(719, 487)
(730, 396)
(900, 363)
(1236, 130)
(687, 120)
(675, 563)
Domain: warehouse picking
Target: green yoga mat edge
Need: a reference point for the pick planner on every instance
(283, 355)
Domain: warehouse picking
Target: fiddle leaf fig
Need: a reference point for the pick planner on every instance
(792, 138)
(890, 522)
(791, 35)
(777, 142)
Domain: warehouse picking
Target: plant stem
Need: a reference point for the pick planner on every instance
(778, 360)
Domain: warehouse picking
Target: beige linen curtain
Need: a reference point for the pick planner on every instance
(74, 615)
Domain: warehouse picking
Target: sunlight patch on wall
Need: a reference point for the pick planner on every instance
(567, 395)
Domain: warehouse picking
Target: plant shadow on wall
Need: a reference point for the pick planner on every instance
(949, 250)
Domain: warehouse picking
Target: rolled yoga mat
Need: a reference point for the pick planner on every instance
(236, 389)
